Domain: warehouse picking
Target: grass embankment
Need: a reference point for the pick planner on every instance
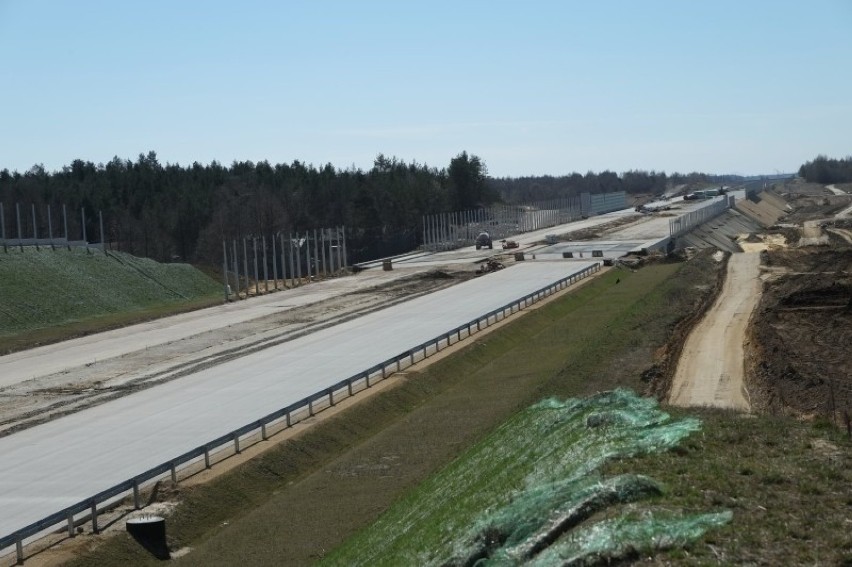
(303, 498)
(51, 295)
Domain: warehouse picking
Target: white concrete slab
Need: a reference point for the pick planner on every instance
(54, 465)
(45, 360)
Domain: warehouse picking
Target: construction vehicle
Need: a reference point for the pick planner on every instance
(484, 241)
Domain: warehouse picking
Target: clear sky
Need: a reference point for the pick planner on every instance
(531, 86)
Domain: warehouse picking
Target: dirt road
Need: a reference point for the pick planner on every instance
(711, 370)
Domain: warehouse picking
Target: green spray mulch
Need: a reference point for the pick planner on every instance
(531, 493)
(49, 288)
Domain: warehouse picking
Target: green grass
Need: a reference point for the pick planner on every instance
(787, 483)
(540, 465)
(51, 294)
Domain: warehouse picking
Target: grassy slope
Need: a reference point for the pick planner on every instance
(49, 292)
(303, 498)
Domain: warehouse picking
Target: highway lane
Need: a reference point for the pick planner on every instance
(59, 463)
(48, 359)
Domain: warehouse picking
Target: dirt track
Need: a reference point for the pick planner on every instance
(711, 370)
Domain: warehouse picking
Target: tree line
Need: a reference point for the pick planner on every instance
(826, 170)
(169, 211)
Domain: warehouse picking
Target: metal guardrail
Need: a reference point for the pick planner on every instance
(310, 403)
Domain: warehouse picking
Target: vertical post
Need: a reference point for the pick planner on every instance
(103, 240)
(316, 254)
(256, 275)
(323, 245)
(292, 265)
(339, 244)
(263, 433)
(19, 550)
(173, 472)
(265, 269)
(70, 521)
(49, 226)
(245, 263)
(345, 259)
(308, 255)
(95, 529)
(274, 264)
(136, 502)
(225, 267)
(283, 260)
(299, 259)
(206, 458)
(236, 262)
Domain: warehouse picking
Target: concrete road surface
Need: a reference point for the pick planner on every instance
(48, 359)
(51, 466)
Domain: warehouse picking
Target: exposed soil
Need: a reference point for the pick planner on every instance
(800, 353)
(799, 357)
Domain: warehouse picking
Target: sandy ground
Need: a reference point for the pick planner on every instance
(711, 370)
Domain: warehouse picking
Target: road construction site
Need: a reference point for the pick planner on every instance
(114, 371)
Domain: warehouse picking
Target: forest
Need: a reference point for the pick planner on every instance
(172, 212)
(826, 170)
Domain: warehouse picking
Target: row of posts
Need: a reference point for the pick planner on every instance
(51, 241)
(291, 260)
(447, 231)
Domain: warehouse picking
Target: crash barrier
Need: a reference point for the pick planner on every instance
(685, 223)
(88, 509)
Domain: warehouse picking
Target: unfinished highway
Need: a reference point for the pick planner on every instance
(51, 466)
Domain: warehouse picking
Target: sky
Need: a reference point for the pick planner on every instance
(532, 87)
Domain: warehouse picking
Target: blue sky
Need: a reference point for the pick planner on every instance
(532, 87)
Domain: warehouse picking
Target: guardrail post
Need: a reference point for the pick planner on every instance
(136, 505)
(331, 397)
(19, 551)
(412, 358)
(206, 458)
(95, 529)
(263, 434)
(174, 472)
(367, 378)
(70, 524)
(311, 406)
(236, 443)
(349, 386)
(384, 371)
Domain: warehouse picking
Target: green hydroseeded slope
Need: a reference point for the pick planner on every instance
(44, 288)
